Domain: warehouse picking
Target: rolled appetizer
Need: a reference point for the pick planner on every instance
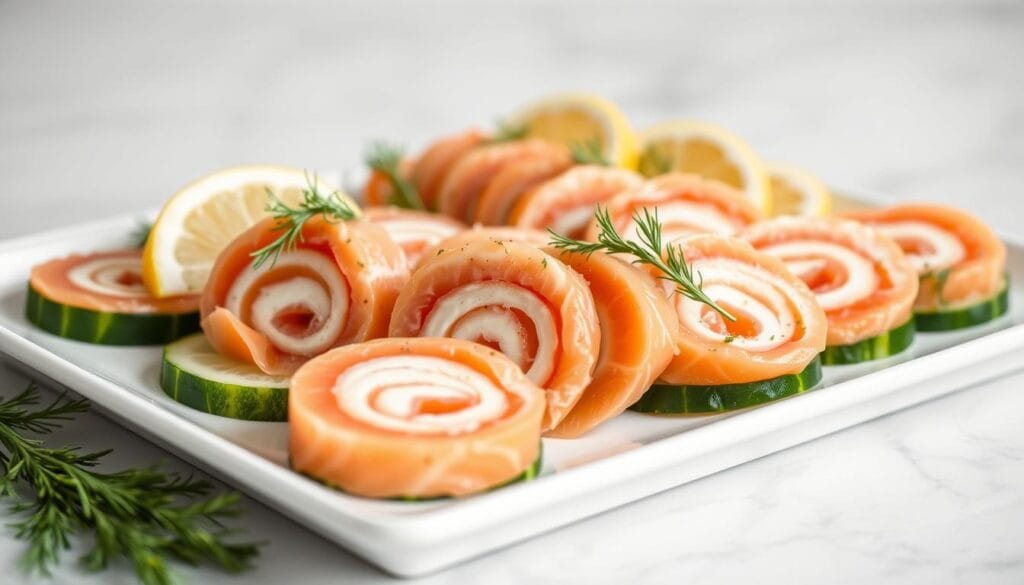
(765, 349)
(468, 177)
(480, 233)
(431, 168)
(638, 329)
(415, 231)
(960, 261)
(414, 418)
(515, 180)
(336, 285)
(686, 205)
(514, 298)
(860, 277)
(566, 203)
(100, 298)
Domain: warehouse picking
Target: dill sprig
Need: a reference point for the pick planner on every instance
(510, 131)
(652, 163)
(290, 220)
(146, 516)
(141, 233)
(649, 250)
(386, 158)
(588, 152)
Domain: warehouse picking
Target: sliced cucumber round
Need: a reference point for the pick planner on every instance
(983, 312)
(194, 374)
(686, 399)
(107, 328)
(881, 346)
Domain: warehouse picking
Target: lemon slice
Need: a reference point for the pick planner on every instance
(201, 219)
(797, 192)
(579, 118)
(707, 150)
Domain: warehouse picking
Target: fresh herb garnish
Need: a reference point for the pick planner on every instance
(588, 152)
(940, 278)
(509, 132)
(652, 163)
(385, 159)
(141, 233)
(291, 220)
(146, 516)
(668, 260)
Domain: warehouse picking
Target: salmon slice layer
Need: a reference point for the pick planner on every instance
(859, 276)
(337, 286)
(778, 329)
(958, 258)
(107, 282)
(430, 170)
(479, 233)
(566, 203)
(378, 190)
(417, 418)
(515, 180)
(638, 339)
(415, 231)
(514, 298)
(686, 205)
(463, 185)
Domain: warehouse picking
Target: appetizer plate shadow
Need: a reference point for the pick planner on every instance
(631, 457)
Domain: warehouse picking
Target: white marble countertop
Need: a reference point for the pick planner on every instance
(111, 106)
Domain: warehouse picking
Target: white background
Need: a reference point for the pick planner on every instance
(111, 106)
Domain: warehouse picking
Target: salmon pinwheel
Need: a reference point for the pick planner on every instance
(566, 203)
(336, 286)
(378, 190)
(431, 168)
(960, 261)
(859, 276)
(768, 350)
(415, 231)
(465, 182)
(638, 329)
(480, 233)
(414, 418)
(514, 298)
(515, 180)
(100, 298)
(686, 205)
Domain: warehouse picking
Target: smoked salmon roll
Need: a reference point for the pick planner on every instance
(638, 333)
(414, 418)
(514, 181)
(686, 205)
(566, 203)
(431, 168)
(100, 298)
(480, 233)
(960, 261)
(466, 181)
(415, 231)
(337, 286)
(514, 298)
(769, 351)
(378, 190)
(860, 277)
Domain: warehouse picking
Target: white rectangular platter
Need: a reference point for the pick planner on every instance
(630, 457)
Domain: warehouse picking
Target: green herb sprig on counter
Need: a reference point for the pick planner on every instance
(145, 516)
(669, 261)
(386, 159)
(290, 220)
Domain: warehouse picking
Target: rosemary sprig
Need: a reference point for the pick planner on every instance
(290, 220)
(588, 152)
(385, 158)
(668, 260)
(509, 132)
(146, 516)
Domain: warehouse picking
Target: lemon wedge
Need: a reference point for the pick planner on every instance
(577, 119)
(691, 146)
(797, 192)
(200, 220)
